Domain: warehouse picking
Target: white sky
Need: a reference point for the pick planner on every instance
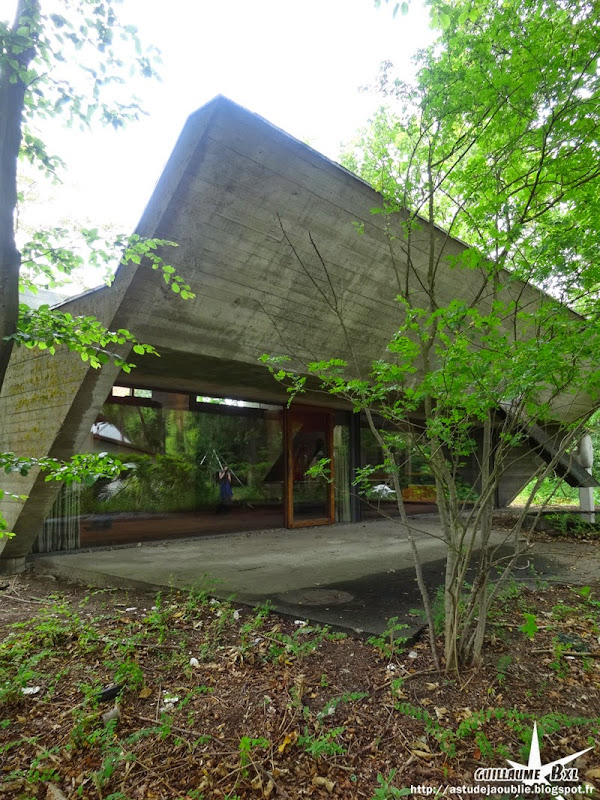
(298, 63)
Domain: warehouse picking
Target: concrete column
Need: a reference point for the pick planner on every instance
(12, 566)
(586, 494)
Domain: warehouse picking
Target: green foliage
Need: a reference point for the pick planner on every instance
(83, 468)
(301, 643)
(178, 471)
(558, 663)
(386, 791)
(48, 329)
(388, 643)
(330, 707)
(25, 654)
(520, 723)
(499, 148)
(130, 673)
(89, 36)
(321, 745)
(504, 663)
(246, 747)
(529, 627)
(572, 526)
(552, 491)
(561, 611)
(151, 483)
(320, 469)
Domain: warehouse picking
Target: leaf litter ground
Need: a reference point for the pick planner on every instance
(114, 694)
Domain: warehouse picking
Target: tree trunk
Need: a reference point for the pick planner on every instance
(12, 99)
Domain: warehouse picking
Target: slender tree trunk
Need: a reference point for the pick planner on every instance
(393, 473)
(12, 100)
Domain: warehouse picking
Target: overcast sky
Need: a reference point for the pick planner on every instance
(299, 63)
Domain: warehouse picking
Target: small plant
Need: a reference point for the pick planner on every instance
(331, 705)
(386, 791)
(131, 674)
(529, 627)
(323, 745)
(300, 643)
(504, 663)
(388, 643)
(558, 664)
(252, 626)
(198, 596)
(246, 748)
(42, 772)
(561, 611)
(158, 617)
(572, 525)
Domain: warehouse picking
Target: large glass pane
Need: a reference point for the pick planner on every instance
(415, 478)
(309, 444)
(193, 466)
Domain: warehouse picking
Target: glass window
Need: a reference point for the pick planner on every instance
(191, 469)
(416, 481)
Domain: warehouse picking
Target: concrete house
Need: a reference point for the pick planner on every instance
(243, 200)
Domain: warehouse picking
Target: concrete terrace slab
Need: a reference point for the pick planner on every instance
(352, 576)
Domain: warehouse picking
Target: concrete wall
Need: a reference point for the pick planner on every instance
(47, 406)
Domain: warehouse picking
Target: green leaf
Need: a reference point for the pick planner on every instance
(529, 627)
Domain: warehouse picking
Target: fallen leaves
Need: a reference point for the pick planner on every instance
(593, 773)
(324, 783)
(266, 789)
(214, 692)
(290, 738)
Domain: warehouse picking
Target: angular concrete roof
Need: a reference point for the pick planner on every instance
(246, 202)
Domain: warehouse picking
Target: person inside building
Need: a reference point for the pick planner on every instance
(225, 489)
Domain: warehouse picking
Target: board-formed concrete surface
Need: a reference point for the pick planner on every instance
(353, 576)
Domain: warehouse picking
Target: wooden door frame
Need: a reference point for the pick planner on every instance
(288, 417)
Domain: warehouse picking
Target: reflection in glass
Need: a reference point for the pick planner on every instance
(309, 444)
(174, 448)
(414, 476)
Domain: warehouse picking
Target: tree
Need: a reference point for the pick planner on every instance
(76, 65)
(496, 143)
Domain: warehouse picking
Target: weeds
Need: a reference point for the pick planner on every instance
(504, 663)
(302, 642)
(316, 712)
(324, 744)
(331, 705)
(388, 643)
(529, 627)
(386, 791)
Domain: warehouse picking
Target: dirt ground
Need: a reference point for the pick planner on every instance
(210, 700)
